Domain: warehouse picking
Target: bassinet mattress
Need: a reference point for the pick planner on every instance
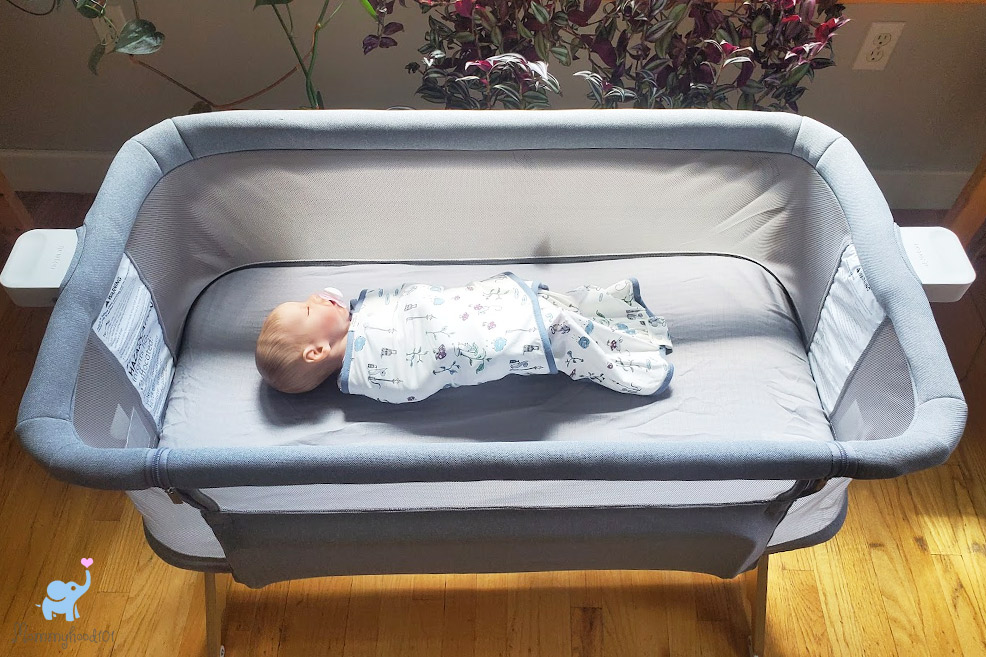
(741, 371)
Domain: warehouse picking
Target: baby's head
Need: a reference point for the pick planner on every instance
(302, 343)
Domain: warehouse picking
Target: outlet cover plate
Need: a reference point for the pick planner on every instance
(879, 44)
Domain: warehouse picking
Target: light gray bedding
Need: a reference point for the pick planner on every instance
(741, 371)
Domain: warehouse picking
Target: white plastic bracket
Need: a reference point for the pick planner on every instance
(939, 261)
(34, 272)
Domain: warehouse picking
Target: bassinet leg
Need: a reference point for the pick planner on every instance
(215, 603)
(756, 592)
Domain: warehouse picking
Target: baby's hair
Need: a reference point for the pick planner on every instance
(279, 357)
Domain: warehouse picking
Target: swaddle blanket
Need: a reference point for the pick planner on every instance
(407, 343)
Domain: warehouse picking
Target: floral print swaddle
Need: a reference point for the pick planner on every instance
(407, 343)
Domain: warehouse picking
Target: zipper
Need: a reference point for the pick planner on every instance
(159, 475)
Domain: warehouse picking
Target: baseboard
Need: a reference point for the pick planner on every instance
(83, 171)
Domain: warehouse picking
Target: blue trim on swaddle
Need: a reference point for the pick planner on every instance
(538, 319)
(667, 381)
(636, 296)
(639, 299)
(347, 360)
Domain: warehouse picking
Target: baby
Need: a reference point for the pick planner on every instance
(404, 344)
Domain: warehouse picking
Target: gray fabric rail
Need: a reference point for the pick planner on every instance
(45, 418)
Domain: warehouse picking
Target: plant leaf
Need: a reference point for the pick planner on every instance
(96, 55)
(392, 28)
(563, 55)
(139, 37)
(369, 9)
(745, 101)
(89, 8)
(540, 13)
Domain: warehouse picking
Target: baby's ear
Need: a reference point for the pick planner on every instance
(313, 353)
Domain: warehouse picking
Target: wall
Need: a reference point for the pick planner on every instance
(920, 124)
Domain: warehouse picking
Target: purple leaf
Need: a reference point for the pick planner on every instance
(746, 72)
(370, 42)
(591, 6)
(392, 28)
(464, 7)
(578, 17)
(387, 42)
(605, 50)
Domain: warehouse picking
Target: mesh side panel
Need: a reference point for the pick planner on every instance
(229, 210)
(178, 526)
(492, 494)
(809, 515)
(849, 317)
(108, 411)
(878, 401)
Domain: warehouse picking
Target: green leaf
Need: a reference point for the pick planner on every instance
(510, 90)
(560, 19)
(657, 30)
(369, 9)
(90, 8)
(737, 60)
(661, 45)
(464, 37)
(752, 87)
(796, 74)
(496, 36)
(261, 3)
(541, 46)
(677, 13)
(562, 54)
(540, 13)
(524, 32)
(760, 24)
(96, 55)
(139, 37)
(745, 101)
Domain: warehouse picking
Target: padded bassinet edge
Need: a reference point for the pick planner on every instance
(44, 420)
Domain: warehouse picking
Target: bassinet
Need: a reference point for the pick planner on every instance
(805, 350)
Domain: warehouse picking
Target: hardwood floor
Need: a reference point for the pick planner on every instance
(906, 575)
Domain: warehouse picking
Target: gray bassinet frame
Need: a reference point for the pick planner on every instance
(49, 428)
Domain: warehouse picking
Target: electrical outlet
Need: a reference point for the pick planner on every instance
(880, 41)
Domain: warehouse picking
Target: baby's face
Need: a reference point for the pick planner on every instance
(316, 318)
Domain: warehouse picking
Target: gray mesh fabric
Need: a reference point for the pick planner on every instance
(217, 213)
(878, 401)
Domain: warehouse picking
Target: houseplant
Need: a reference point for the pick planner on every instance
(651, 53)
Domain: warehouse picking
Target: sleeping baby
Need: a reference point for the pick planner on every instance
(404, 344)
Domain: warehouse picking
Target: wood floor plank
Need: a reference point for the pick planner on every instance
(491, 615)
(965, 611)
(363, 621)
(459, 621)
(315, 617)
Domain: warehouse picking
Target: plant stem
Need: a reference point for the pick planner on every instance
(167, 77)
(301, 63)
(262, 91)
(172, 80)
(318, 28)
(136, 10)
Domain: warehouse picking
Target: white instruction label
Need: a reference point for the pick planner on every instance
(129, 328)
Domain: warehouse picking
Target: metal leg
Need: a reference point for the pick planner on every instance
(756, 592)
(215, 603)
